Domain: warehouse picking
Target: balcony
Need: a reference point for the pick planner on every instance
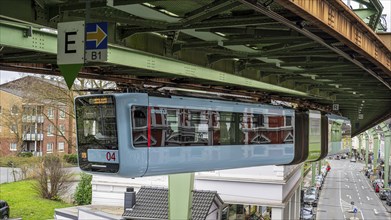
(32, 137)
(32, 118)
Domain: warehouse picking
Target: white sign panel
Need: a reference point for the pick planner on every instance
(335, 107)
(70, 42)
(360, 116)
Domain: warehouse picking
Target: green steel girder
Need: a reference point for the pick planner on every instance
(245, 41)
(373, 12)
(45, 42)
(208, 11)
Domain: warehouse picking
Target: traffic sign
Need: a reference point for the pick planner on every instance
(96, 41)
(335, 107)
(70, 43)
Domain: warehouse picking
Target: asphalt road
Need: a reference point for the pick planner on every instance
(346, 183)
(6, 174)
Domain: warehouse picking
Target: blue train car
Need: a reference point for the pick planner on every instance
(134, 134)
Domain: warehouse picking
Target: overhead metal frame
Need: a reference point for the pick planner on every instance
(292, 52)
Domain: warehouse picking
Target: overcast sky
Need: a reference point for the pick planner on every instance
(6, 76)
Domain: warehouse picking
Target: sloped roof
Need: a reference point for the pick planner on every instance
(152, 203)
(19, 86)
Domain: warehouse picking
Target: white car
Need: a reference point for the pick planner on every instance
(353, 159)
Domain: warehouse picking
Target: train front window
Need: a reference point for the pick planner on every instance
(97, 133)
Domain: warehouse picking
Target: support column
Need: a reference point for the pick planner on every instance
(180, 195)
(376, 144)
(296, 203)
(319, 167)
(277, 213)
(387, 143)
(366, 149)
(359, 144)
(313, 169)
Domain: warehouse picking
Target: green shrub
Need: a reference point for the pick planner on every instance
(71, 158)
(18, 161)
(83, 194)
(25, 154)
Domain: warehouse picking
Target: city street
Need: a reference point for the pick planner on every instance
(346, 183)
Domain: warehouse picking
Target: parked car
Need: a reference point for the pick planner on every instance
(388, 199)
(310, 199)
(319, 178)
(353, 159)
(384, 193)
(343, 156)
(378, 187)
(4, 210)
(313, 190)
(307, 213)
(377, 182)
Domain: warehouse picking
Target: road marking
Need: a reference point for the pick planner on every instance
(350, 197)
(368, 198)
(362, 186)
(340, 197)
(359, 198)
(375, 211)
(347, 186)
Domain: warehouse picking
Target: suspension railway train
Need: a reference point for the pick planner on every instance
(135, 135)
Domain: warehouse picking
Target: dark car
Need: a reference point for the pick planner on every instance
(384, 193)
(4, 210)
(388, 199)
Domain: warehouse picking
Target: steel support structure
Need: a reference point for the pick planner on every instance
(313, 169)
(359, 145)
(366, 136)
(180, 196)
(376, 144)
(387, 143)
(337, 19)
(319, 167)
(14, 35)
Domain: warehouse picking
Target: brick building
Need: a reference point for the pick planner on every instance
(36, 115)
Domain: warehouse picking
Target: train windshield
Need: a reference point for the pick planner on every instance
(97, 133)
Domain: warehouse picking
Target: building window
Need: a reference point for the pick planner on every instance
(12, 146)
(50, 130)
(50, 113)
(62, 112)
(61, 130)
(14, 110)
(49, 147)
(61, 146)
(13, 128)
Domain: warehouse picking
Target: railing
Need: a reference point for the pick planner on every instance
(32, 137)
(31, 118)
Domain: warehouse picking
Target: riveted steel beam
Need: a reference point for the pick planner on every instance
(12, 35)
(335, 18)
(208, 11)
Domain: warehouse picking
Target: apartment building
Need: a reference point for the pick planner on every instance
(36, 115)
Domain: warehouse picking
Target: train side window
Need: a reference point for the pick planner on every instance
(288, 120)
(139, 126)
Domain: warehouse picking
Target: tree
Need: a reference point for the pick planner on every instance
(52, 180)
(51, 99)
(11, 122)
